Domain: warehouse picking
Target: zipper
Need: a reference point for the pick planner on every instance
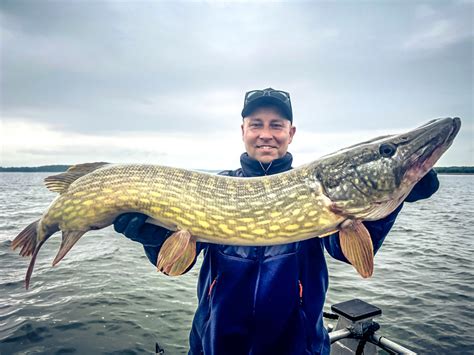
(213, 283)
(300, 286)
(261, 253)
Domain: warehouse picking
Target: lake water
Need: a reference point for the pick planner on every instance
(105, 297)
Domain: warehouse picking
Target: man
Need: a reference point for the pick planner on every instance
(263, 300)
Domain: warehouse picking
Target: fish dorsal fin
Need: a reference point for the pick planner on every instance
(357, 247)
(60, 182)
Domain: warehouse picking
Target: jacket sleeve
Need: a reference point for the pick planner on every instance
(425, 188)
(152, 242)
(378, 231)
(152, 238)
(134, 227)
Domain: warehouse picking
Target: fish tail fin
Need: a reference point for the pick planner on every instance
(29, 272)
(27, 239)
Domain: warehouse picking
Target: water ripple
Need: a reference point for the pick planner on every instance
(105, 297)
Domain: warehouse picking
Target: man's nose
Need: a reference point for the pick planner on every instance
(265, 133)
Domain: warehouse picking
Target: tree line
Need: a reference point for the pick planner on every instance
(35, 169)
(455, 170)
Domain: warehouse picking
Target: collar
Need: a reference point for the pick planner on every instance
(252, 167)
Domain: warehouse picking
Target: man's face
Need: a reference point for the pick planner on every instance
(266, 135)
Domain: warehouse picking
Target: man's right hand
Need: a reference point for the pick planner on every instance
(134, 227)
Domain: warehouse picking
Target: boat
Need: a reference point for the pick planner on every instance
(355, 331)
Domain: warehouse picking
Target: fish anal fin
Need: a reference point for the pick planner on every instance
(177, 253)
(60, 182)
(69, 239)
(357, 247)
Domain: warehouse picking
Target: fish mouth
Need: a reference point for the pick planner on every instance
(428, 144)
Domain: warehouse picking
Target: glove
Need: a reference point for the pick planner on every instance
(133, 226)
(424, 188)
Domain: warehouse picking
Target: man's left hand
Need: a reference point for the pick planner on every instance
(424, 188)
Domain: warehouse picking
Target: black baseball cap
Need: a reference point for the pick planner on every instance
(256, 98)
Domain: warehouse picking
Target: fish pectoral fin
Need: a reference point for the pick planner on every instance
(177, 253)
(357, 247)
(69, 239)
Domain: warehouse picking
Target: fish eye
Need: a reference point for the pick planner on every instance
(387, 150)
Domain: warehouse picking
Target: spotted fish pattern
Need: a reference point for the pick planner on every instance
(219, 209)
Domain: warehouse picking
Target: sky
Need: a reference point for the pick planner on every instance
(163, 82)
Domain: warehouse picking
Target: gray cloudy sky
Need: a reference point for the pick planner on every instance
(163, 82)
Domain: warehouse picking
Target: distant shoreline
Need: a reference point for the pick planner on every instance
(35, 169)
(454, 170)
(458, 170)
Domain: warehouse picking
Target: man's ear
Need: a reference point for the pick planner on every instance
(292, 133)
(242, 127)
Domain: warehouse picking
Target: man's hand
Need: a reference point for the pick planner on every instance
(424, 188)
(133, 226)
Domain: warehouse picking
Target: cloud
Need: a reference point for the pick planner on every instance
(38, 144)
(29, 144)
(179, 70)
(24, 144)
(441, 34)
(441, 27)
(425, 11)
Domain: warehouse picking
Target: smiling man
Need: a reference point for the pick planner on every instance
(268, 299)
(266, 131)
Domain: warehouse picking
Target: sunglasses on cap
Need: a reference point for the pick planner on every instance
(278, 94)
(256, 98)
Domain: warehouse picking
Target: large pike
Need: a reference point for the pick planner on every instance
(334, 193)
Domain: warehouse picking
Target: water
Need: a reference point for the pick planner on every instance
(105, 297)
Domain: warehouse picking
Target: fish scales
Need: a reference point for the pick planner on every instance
(209, 206)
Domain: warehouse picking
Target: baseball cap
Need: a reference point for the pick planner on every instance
(255, 98)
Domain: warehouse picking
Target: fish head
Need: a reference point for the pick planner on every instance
(369, 180)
